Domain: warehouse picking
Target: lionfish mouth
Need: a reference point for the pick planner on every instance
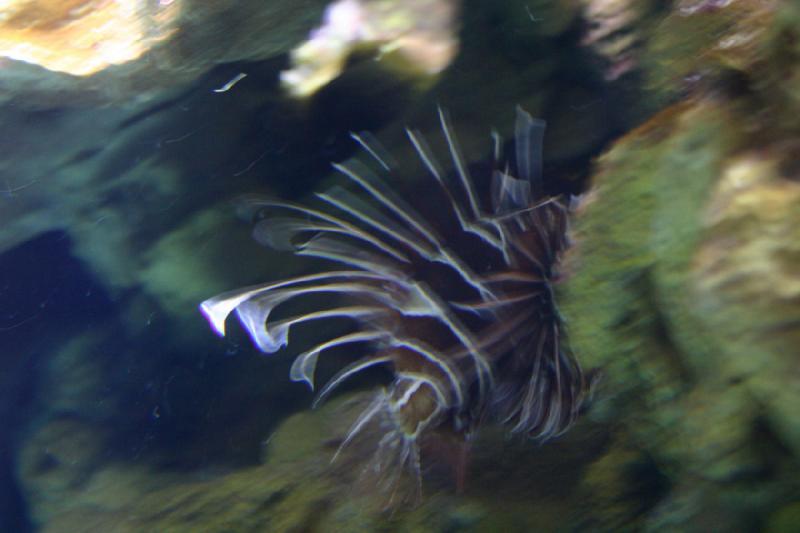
(458, 304)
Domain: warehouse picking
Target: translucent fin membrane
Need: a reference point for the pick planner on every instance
(529, 139)
(397, 446)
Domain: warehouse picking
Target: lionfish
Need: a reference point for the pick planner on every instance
(459, 304)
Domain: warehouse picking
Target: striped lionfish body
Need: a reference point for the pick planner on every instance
(458, 304)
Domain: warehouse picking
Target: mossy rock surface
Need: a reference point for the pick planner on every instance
(511, 486)
(683, 288)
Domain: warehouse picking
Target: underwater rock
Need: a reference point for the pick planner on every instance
(784, 519)
(73, 382)
(616, 31)
(700, 40)
(683, 288)
(296, 490)
(660, 51)
(55, 463)
(82, 37)
(206, 235)
(684, 281)
(746, 275)
(416, 36)
(83, 52)
(620, 487)
(105, 187)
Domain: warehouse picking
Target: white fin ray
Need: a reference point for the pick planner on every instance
(363, 419)
(279, 331)
(458, 161)
(509, 193)
(347, 372)
(385, 197)
(347, 228)
(347, 202)
(505, 334)
(464, 223)
(324, 247)
(534, 393)
(491, 305)
(529, 139)
(217, 309)
(254, 313)
(443, 401)
(351, 204)
(432, 356)
(524, 406)
(305, 364)
(497, 145)
(374, 148)
(461, 333)
(440, 253)
(279, 233)
(424, 152)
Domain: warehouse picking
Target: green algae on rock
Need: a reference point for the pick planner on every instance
(294, 489)
(684, 289)
(685, 275)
